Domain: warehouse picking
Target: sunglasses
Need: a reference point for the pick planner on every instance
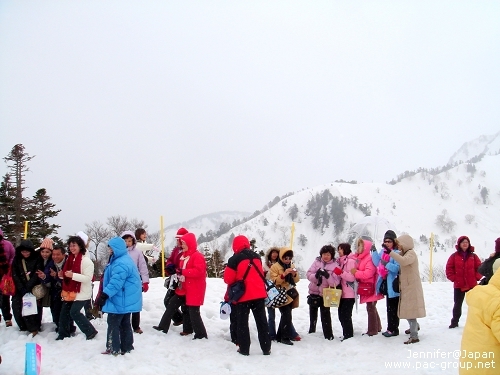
(388, 241)
(287, 258)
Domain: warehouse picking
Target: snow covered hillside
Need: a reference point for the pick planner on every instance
(462, 200)
(485, 144)
(156, 353)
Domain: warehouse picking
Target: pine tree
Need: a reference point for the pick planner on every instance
(17, 161)
(39, 211)
(7, 193)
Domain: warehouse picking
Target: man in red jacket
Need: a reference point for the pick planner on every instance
(461, 269)
(247, 262)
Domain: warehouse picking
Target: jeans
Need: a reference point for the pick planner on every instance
(72, 310)
(271, 322)
(259, 314)
(119, 337)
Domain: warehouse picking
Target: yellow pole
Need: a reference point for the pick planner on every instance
(291, 239)
(25, 229)
(431, 248)
(162, 248)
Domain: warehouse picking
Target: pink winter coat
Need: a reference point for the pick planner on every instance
(366, 271)
(194, 269)
(346, 263)
(332, 281)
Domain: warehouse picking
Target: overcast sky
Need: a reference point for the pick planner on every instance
(183, 108)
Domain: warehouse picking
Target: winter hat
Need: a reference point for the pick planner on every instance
(128, 233)
(240, 243)
(26, 245)
(181, 232)
(459, 241)
(84, 237)
(390, 235)
(497, 245)
(47, 243)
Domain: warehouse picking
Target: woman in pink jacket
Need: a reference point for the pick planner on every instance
(7, 253)
(320, 275)
(367, 272)
(344, 264)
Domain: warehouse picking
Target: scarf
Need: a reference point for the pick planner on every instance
(288, 278)
(73, 264)
(382, 271)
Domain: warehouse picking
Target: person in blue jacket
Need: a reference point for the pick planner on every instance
(388, 270)
(121, 296)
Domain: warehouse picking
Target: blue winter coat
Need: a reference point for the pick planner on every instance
(392, 266)
(121, 282)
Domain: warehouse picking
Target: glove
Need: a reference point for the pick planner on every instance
(325, 274)
(384, 262)
(170, 269)
(337, 271)
(318, 274)
(384, 246)
(181, 278)
(102, 299)
(145, 287)
(388, 251)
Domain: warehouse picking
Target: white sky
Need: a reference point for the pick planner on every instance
(183, 108)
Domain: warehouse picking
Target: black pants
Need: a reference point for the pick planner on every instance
(29, 323)
(233, 325)
(5, 301)
(196, 323)
(458, 298)
(179, 315)
(72, 311)
(243, 334)
(392, 314)
(136, 320)
(326, 320)
(284, 329)
(345, 316)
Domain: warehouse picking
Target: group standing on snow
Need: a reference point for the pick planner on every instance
(64, 282)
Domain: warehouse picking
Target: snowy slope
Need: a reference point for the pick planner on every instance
(156, 353)
(487, 144)
(411, 205)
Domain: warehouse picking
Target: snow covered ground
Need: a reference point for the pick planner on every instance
(156, 353)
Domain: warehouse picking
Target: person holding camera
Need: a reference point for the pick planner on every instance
(320, 275)
(284, 275)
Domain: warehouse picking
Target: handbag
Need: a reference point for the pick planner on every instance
(383, 287)
(68, 296)
(292, 292)
(395, 284)
(7, 286)
(331, 297)
(39, 291)
(280, 300)
(237, 289)
(275, 296)
(314, 300)
(366, 289)
(29, 305)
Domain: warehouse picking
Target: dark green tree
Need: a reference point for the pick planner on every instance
(40, 210)
(7, 195)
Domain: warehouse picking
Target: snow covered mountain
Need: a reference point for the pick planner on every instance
(449, 202)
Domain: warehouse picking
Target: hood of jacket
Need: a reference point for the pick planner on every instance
(283, 251)
(405, 243)
(117, 244)
(190, 240)
(367, 245)
(240, 243)
(267, 256)
(129, 233)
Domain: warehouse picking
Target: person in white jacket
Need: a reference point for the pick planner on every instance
(138, 258)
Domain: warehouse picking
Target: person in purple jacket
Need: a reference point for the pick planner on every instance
(7, 253)
(320, 275)
(138, 258)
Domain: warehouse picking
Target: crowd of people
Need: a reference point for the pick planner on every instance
(63, 281)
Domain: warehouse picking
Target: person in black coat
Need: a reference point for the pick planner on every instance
(486, 268)
(24, 266)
